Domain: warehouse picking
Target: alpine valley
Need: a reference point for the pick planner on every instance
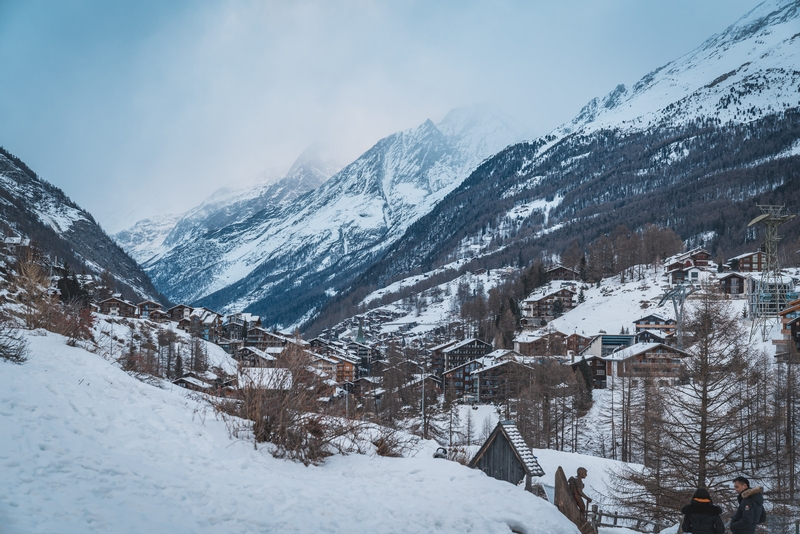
(694, 146)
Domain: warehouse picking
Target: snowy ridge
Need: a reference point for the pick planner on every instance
(34, 209)
(150, 239)
(50, 210)
(745, 72)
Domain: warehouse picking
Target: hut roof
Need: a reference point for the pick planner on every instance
(521, 450)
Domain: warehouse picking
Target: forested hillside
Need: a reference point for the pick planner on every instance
(703, 180)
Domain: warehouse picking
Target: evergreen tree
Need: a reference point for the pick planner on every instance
(178, 371)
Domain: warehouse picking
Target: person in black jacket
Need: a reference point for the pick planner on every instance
(751, 508)
(701, 516)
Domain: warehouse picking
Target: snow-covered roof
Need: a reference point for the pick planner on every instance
(549, 291)
(786, 279)
(462, 344)
(733, 273)
(191, 380)
(265, 377)
(443, 345)
(745, 255)
(653, 332)
(260, 353)
(521, 449)
(636, 349)
(501, 353)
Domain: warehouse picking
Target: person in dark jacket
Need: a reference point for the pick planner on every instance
(701, 516)
(751, 508)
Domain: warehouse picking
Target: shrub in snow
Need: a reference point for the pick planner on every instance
(13, 347)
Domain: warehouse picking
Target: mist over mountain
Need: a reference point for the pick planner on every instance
(281, 250)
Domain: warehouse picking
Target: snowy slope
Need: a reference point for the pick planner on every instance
(745, 72)
(86, 448)
(32, 208)
(145, 238)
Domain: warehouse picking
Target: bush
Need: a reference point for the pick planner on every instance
(13, 348)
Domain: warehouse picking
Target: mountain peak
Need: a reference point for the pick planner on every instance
(736, 75)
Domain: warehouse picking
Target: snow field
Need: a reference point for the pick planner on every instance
(86, 448)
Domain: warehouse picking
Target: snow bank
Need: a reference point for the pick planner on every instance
(86, 448)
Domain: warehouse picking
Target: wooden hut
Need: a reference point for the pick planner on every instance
(505, 456)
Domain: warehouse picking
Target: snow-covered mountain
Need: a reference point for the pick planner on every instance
(246, 252)
(693, 146)
(34, 209)
(750, 70)
(153, 237)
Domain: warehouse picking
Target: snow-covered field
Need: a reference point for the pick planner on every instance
(86, 448)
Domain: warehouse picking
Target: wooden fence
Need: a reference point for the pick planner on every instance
(599, 518)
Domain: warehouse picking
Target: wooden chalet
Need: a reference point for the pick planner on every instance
(324, 364)
(345, 368)
(559, 272)
(437, 356)
(235, 326)
(459, 382)
(647, 360)
(368, 386)
(453, 354)
(193, 382)
(541, 343)
(654, 336)
(117, 307)
(575, 343)
(13, 245)
(598, 368)
(655, 322)
(499, 381)
(158, 316)
(749, 262)
(263, 339)
(542, 305)
(686, 266)
(733, 284)
(143, 309)
(506, 456)
(253, 357)
(179, 312)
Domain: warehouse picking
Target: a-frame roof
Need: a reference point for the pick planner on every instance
(508, 430)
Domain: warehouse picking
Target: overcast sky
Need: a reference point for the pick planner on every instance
(146, 107)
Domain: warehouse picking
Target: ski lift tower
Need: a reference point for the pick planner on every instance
(769, 296)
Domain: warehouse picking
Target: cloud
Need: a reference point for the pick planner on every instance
(142, 108)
